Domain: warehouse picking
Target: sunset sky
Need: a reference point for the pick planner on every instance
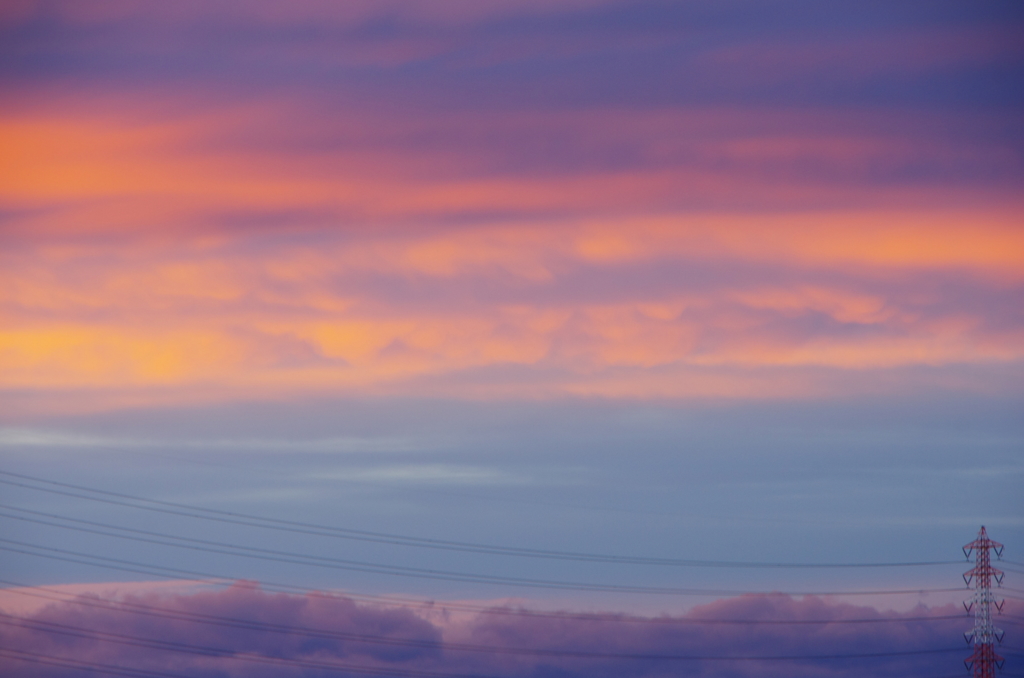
(731, 281)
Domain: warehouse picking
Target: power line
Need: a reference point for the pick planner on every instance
(290, 526)
(305, 631)
(193, 574)
(221, 652)
(145, 673)
(126, 639)
(136, 673)
(234, 622)
(62, 662)
(292, 557)
(306, 559)
(440, 575)
(374, 568)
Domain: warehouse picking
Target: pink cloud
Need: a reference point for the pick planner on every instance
(243, 621)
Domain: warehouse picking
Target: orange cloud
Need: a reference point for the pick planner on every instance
(985, 241)
(136, 171)
(136, 263)
(395, 314)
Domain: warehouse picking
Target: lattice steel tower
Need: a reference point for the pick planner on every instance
(984, 636)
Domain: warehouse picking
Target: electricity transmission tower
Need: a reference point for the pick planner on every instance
(984, 661)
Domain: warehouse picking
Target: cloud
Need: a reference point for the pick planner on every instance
(246, 200)
(240, 622)
(701, 302)
(312, 40)
(158, 166)
(442, 474)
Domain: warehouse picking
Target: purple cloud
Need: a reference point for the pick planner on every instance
(244, 630)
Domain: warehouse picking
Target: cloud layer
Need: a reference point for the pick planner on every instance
(244, 631)
(527, 199)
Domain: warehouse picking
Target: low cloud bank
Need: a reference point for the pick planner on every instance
(245, 631)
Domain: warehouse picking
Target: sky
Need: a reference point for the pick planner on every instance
(735, 282)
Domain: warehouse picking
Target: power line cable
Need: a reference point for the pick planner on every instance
(218, 547)
(234, 622)
(373, 568)
(468, 578)
(225, 653)
(125, 639)
(153, 643)
(50, 660)
(629, 589)
(149, 572)
(243, 547)
(290, 526)
(62, 662)
(146, 673)
(133, 673)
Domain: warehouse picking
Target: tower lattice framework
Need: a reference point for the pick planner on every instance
(984, 661)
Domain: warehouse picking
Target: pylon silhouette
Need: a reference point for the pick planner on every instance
(984, 661)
